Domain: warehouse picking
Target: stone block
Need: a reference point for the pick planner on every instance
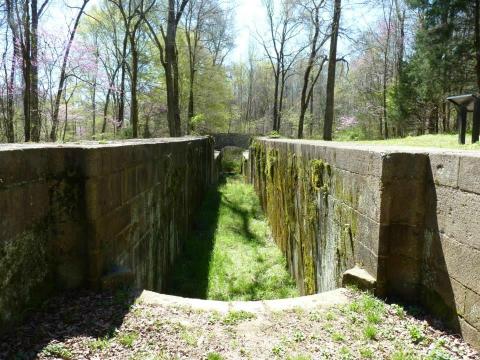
(359, 277)
(468, 178)
(443, 169)
(469, 333)
(358, 191)
(23, 165)
(91, 163)
(109, 225)
(402, 240)
(472, 308)
(366, 259)
(454, 210)
(460, 261)
(403, 276)
(403, 202)
(404, 166)
(442, 294)
(129, 184)
(22, 208)
(367, 232)
(356, 160)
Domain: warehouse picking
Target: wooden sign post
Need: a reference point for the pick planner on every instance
(465, 104)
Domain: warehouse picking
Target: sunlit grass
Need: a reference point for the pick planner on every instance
(449, 141)
(245, 264)
(230, 256)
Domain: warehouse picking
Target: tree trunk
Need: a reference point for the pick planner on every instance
(105, 111)
(477, 40)
(66, 120)
(304, 100)
(34, 110)
(171, 73)
(192, 59)
(385, 74)
(275, 103)
(94, 108)
(26, 70)
(10, 132)
(280, 101)
(121, 102)
(332, 64)
(133, 86)
(401, 39)
(176, 87)
(61, 82)
(310, 133)
(190, 103)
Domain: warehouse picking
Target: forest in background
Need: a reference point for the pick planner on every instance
(150, 68)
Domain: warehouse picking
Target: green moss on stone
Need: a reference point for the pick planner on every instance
(316, 170)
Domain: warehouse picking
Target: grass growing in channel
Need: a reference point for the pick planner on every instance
(229, 256)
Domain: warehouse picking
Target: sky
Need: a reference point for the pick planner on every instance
(250, 18)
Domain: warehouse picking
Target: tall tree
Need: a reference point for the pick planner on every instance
(63, 72)
(23, 21)
(477, 40)
(168, 57)
(313, 11)
(133, 21)
(283, 27)
(387, 13)
(332, 63)
(10, 113)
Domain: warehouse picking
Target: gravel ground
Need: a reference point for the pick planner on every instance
(115, 326)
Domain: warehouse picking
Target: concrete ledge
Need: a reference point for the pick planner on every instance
(326, 299)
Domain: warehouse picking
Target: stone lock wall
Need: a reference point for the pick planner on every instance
(320, 201)
(231, 139)
(81, 215)
(406, 216)
(450, 260)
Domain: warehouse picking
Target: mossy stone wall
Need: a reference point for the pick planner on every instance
(317, 206)
(75, 215)
(407, 216)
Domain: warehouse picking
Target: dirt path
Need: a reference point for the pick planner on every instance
(119, 326)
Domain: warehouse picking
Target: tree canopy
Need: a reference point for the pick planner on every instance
(149, 68)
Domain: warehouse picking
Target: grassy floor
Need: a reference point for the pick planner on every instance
(230, 255)
(439, 141)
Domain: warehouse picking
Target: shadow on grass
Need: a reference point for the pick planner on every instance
(227, 257)
(73, 314)
(190, 272)
(245, 215)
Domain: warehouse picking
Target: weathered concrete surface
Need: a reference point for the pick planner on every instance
(360, 278)
(323, 205)
(246, 166)
(407, 216)
(324, 300)
(217, 167)
(231, 139)
(79, 214)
